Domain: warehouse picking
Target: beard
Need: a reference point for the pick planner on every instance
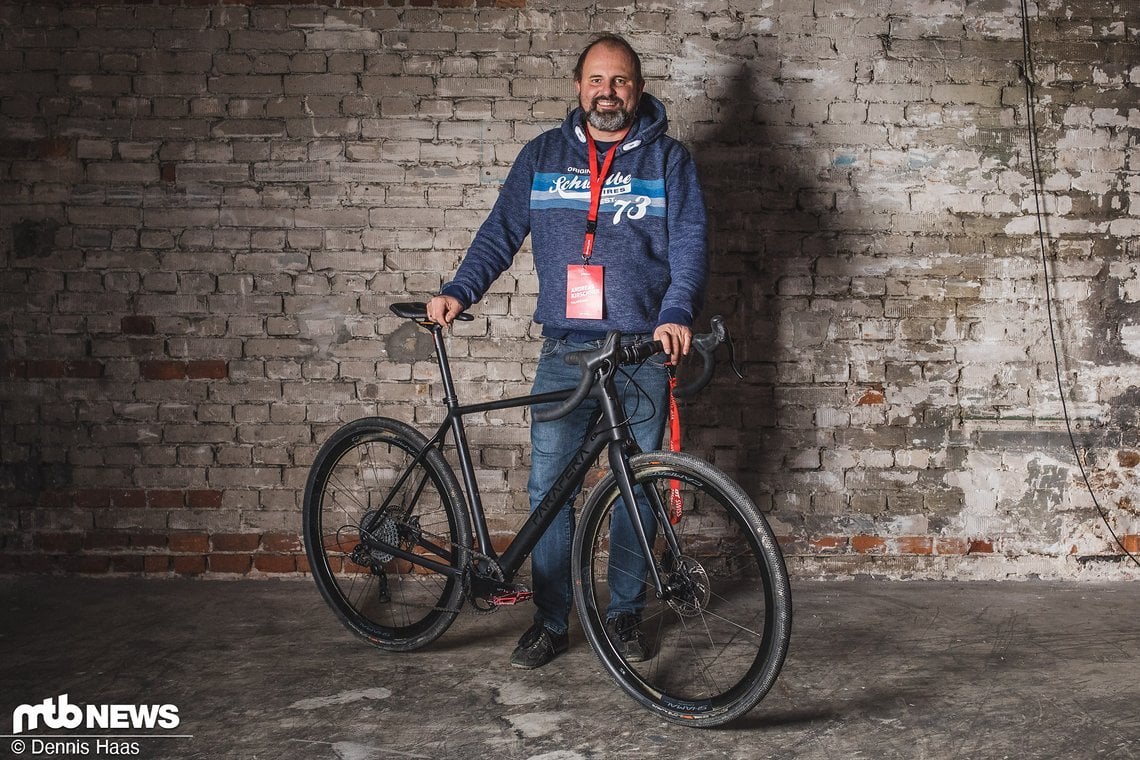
(608, 121)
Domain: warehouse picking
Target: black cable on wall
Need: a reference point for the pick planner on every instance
(1028, 74)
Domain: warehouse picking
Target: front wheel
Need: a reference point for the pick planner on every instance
(375, 485)
(715, 643)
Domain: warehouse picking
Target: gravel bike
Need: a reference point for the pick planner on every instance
(397, 547)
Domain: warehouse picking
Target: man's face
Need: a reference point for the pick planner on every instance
(608, 90)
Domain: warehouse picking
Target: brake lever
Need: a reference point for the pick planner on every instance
(721, 335)
(732, 355)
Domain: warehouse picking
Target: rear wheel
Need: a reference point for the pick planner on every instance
(716, 642)
(367, 493)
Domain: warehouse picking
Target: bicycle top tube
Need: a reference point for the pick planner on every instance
(704, 345)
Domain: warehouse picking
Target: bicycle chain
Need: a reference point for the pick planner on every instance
(476, 555)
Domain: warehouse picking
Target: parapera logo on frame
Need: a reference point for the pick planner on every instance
(58, 713)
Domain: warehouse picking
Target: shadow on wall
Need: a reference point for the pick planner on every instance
(762, 245)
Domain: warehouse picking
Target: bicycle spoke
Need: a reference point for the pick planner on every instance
(710, 642)
(376, 487)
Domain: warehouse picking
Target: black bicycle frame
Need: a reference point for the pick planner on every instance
(608, 429)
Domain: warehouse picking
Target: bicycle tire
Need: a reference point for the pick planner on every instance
(717, 646)
(390, 602)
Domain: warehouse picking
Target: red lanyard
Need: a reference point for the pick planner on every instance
(597, 179)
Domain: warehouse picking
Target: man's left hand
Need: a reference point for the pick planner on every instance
(675, 339)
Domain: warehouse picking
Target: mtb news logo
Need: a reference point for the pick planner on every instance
(58, 713)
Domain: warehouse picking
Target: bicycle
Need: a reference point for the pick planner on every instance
(388, 534)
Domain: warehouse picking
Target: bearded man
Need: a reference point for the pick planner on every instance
(617, 224)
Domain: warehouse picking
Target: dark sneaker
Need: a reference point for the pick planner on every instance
(538, 646)
(625, 633)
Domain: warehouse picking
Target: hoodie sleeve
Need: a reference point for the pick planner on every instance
(688, 256)
(499, 237)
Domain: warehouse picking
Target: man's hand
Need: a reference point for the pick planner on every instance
(675, 339)
(444, 309)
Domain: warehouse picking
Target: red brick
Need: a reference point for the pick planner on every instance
(235, 542)
(191, 564)
(13, 369)
(281, 542)
(54, 368)
(922, 545)
(168, 171)
(871, 397)
(980, 546)
(162, 370)
(54, 148)
(127, 563)
(55, 499)
(148, 540)
(156, 563)
(86, 369)
(229, 563)
(165, 499)
(189, 542)
(868, 544)
(203, 499)
(207, 370)
(84, 564)
(92, 498)
(36, 563)
(951, 545)
(275, 563)
(303, 564)
(136, 325)
(1131, 543)
(132, 499)
(45, 368)
(59, 542)
(828, 544)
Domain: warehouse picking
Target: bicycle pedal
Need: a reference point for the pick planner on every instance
(511, 596)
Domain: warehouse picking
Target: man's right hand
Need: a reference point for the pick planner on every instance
(444, 309)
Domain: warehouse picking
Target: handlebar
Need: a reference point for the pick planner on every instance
(612, 351)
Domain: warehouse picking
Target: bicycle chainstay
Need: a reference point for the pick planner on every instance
(500, 593)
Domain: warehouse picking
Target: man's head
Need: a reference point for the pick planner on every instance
(609, 84)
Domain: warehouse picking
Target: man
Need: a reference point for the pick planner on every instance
(619, 244)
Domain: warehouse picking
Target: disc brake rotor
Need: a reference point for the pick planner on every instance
(690, 587)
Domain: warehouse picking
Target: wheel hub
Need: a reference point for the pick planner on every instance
(688, 587)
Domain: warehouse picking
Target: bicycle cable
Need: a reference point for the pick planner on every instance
(1029, 75)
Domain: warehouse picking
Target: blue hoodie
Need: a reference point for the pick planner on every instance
(650, 236)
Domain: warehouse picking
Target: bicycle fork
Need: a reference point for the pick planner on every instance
(623, 473)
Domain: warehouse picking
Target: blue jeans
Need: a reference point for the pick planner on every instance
(645, 397)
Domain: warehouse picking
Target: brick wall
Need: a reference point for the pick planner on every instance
(207, 208)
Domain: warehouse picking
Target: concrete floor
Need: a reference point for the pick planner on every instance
(876, 670)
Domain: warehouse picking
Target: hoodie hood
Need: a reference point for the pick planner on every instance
(649, 124)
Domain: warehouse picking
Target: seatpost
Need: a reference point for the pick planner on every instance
(449, 396)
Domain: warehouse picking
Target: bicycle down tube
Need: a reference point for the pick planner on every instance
(605, 430)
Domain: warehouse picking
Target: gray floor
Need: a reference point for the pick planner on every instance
(876, 670)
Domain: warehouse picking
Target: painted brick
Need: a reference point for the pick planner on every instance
(214, 206)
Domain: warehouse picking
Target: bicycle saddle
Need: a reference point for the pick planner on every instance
(417, 310)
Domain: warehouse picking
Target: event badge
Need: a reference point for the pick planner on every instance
(584, 291)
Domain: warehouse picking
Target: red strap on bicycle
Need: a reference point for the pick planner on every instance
(675, 502)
